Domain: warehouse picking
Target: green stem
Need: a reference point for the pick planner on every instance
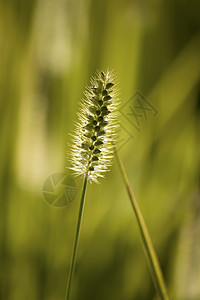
(145, 237)
(80, 214)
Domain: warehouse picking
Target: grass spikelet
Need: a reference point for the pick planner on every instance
(92, 148)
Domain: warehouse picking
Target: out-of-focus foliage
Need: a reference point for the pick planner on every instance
(48, 51)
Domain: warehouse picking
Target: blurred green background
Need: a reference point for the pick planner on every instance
(49, 49)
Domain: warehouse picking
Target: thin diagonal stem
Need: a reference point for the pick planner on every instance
(152, 259)
(78, 226)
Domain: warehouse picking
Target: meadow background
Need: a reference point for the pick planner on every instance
(48, 51)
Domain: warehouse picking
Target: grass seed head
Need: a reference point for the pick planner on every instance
(92, 148)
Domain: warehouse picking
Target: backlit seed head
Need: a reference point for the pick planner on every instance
(92, 148)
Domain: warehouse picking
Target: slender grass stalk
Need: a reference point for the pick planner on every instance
(78, 226)
(151, 256)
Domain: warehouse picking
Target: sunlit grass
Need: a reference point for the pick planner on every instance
(48, 52)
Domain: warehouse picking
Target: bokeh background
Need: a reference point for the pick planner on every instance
(48, 51)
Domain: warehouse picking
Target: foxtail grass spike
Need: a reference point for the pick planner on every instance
(92, 148)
